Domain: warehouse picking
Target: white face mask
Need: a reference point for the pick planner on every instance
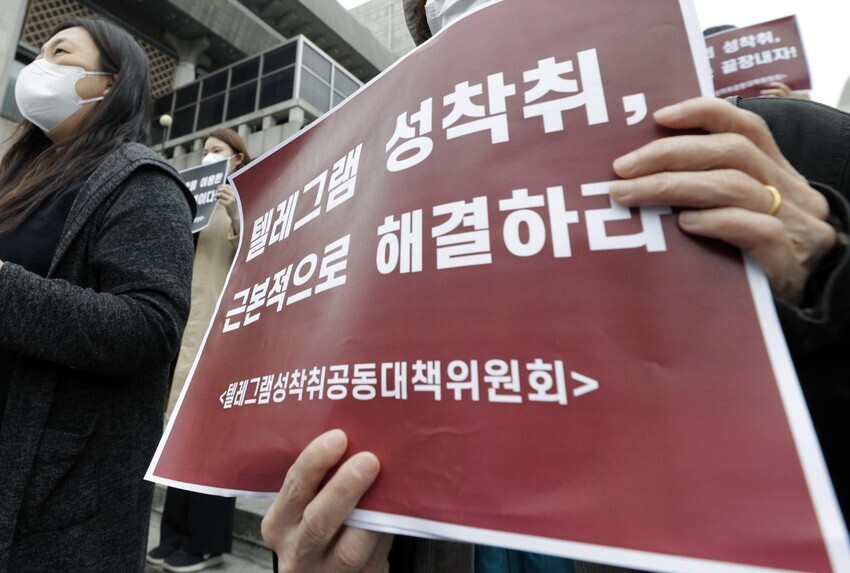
(215, 158)
(441, 13)
(46, 93)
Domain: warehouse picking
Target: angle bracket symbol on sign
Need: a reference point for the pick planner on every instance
(587, 384)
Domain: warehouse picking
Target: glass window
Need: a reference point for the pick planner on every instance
(10, 107)
(157, 132)
(162, 105)
(338, 98)
(184, 122)
(315, 91)
(214, 83)
(279, 57)
(242, 100)
(344, 84)
(317, 63)
(245, 72)
(211, 111)
(277, 87)
(186, 95)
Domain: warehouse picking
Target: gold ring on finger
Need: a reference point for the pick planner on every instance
(777, 199)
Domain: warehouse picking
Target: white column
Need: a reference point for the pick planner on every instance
(188, 52)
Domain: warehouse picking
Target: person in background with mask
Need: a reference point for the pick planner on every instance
(216, 247)
(95, 276)
(727, 182)
(197, 528)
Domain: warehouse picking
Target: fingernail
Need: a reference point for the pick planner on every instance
(687, 218)
(625, 164)
(621, 190)
(365, 464)
(335, 440)
(668, 113)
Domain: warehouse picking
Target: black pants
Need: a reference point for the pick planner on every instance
(197, 523)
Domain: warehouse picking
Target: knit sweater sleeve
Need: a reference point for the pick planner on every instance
(129, 314)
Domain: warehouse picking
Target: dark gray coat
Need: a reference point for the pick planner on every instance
(96, 339)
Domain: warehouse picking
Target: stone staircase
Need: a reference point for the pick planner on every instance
(250, 554)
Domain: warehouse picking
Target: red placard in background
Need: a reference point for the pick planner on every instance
(745, 61)
(436, 268)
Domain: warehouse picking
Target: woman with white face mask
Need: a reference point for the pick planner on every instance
(95, 271)
(197, 528)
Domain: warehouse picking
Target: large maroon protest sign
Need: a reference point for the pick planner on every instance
(745, 61)
(437, 268)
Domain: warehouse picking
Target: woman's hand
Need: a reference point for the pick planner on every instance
(227, 198)
(720, 179)
(305, 526)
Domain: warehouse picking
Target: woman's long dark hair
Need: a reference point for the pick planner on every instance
(35, 170)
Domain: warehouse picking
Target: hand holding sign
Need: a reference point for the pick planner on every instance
(305, 523)
(721, 179)
(227, 198)
(779, 89)
(438, 268)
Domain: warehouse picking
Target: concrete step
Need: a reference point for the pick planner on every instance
(250, 554)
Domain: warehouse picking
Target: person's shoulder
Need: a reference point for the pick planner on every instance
(134, 165)
(127, 158)
(135, 155)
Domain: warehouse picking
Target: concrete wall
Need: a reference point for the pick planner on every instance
(11, 22)
(385, 19)
(233, 22)
(6, 129)
(350, 31)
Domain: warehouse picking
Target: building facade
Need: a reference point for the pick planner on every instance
(385, 19)
(263, 67)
